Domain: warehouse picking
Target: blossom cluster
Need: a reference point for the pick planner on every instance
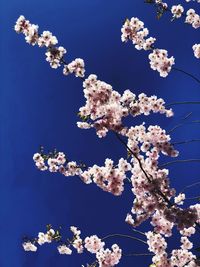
(177, 11)
(105, 108)
(56, 163)
(153, 139)
(107, 257)
(193, 18)
(179, 257)
(54, 55)
(110, 178)
(149, 182)
(153, 198)
(134, 30)
(77, 67)
(93, 244)
(149, 185)
(160, 61)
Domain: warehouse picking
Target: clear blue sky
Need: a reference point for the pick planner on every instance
(38, 105)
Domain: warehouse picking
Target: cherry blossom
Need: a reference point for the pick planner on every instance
(105, 108)
(182, 257)
(156, 243)
(54, 55)
(134, 30)
(28, 246)
(63, 249)
(109, 258)
(77, 67)
(192, 18)
(177, 11)
(47, 39)
(179, 199)
(93, 244)
(108, 178)
(188, 231)
(159, 61)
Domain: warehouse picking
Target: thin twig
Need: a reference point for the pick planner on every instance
(182, 124)
(186, 142)
(139, 232)
(179, 161)
(189, 186)
(187, 116)
(183, 103)
(187, 73)
(125, 236)
(138, 254)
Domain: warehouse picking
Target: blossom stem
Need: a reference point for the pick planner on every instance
(139, 232)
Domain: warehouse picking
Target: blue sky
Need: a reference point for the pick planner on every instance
(38, 105)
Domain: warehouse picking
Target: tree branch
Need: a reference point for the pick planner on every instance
(179, 161)
(124, 236)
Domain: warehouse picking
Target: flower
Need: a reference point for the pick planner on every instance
(177, 11)
(156, 243)
(196, 49)
(28, 246)
(44, 238)
(54, 55)
(192, 18)
(77, 67)
(63, 249)
(47, 39)
(108, 177)
(179, 199)
(109, 258)
(186, 244)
